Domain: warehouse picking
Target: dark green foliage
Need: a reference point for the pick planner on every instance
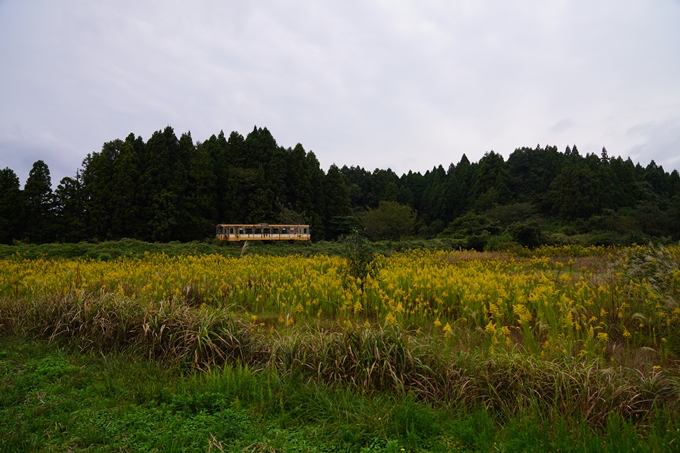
(200, 200)
(337, 203)
(674, 216)
(360, 256)
(511, 213)
(171, 188)
(491, 183)
(164, 214)
(11, 207)
(574, 192)
(532, 171)
(39, 204)
(527, 233)
(318, 213)
(122, 196)
(390, 220)
(70, 209)
(475, 229)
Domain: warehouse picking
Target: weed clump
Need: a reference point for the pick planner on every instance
(360, 256)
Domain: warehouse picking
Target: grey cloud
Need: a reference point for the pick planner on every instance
(562, 125)
(360, 83)
(659, 141)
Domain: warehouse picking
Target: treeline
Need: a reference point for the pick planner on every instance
(175, 189)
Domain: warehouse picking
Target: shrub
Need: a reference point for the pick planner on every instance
(360, 256)
(527, 233)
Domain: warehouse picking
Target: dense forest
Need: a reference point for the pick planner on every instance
(175, 189)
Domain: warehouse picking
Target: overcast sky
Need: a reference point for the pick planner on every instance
(402, 84)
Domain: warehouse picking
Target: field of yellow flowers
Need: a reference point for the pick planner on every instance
(595, 306)
(587, 331)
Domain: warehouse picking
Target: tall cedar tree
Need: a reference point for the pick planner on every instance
(70, 210)
(123, 202)
(39, 204)
(338, 207)
(11, 207)
(318, 214)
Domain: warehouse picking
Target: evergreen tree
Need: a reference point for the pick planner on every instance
(11, 207)
(531, 172)
(359, 183)
(216, 150)
(201, 196)
(275, 178)
(318, 213)
(656, 177)
(164, 215)
(241, 184)
(259, 147)
(260, 204)
(432, 203)
(491, 182)
(456, 189)
(70, 210)
(39, 204)
(180, 186)
(96, 180)
(122, 203)
(299, 181)
(574, 192)
(338, 207)
(624, 186)
(161, 177)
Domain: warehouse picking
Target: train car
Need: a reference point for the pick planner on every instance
(262, 232)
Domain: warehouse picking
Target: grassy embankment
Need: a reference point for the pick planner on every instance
(445, 348)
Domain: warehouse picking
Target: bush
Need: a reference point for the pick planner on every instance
(390, 220)
(526, 233)
(500, 243)
(360, 256)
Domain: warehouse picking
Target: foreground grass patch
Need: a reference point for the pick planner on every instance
(53, 399)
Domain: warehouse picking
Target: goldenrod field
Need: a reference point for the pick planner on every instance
(580, 331)
(594, 306)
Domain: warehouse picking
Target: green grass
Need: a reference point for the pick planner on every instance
(56, 399)
(128, 378)
(134, 248)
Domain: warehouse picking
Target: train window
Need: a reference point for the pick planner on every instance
(249, 231)
(231, 231)
(240, 231)
(304, 231)
(266, 231)
(258, 230)
(275, 231)
(284, 230)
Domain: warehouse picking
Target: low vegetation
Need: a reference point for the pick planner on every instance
(570, 342)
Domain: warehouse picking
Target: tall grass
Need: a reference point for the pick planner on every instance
(368, 359)
(586, 336)
(589, 307)
(58, 400)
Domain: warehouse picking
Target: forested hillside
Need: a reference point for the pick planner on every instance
(171, 188)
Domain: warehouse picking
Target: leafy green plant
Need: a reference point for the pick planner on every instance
(360, 256)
